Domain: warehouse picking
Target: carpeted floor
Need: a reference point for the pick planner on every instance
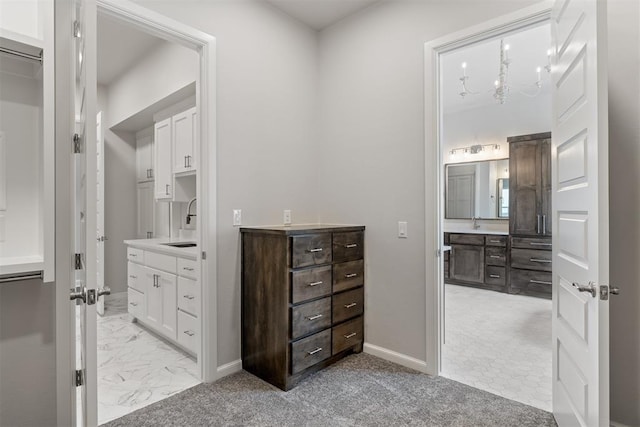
(360, 390)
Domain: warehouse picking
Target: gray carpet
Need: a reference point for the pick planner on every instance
(360, 390)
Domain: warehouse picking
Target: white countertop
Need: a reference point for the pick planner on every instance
(156, 245)
(478, 231)
(20, 265)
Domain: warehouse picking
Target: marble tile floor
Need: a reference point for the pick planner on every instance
(499, 343)
(135, 367)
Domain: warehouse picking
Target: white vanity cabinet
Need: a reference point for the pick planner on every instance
(184, 141)
(161, 301)
(162, 160)
(144, 156)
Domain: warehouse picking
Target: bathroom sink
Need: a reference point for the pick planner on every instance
(181, 244)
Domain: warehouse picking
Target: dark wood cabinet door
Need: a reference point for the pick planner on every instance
(545, 185)
(467, 263)
(525, 194)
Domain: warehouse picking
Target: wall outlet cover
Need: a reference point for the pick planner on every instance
(237, 217)
(287, 217)
(402, 229)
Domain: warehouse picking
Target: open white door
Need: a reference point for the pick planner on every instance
(580, 212)
(100, 237)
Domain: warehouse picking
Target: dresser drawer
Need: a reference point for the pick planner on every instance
(348, 275)
(188, 331)
(310, 317)
(136, 277)
(495, 275)
(135, 303)
(348, 246)
(530, 281)
(493, 240)
(348, 304)
(188, 268)
(135, 255)
(495, 256)
(466, 239)
(188, 296)
(160, 262)
(310, 249)
(531, 259)
(309, 284)
(347, 335)
(311, 350)
(540, 243)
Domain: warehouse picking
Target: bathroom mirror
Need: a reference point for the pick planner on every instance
(477, 189)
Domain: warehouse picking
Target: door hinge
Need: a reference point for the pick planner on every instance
(79, 377)
(204, 255)
(77, 261)
(76, 29)
(77, 144)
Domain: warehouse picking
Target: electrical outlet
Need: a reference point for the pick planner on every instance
(287, 217)
(237, 217)
(402, 229)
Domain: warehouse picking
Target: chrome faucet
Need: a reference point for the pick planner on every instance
(475, 223)
(189, 214)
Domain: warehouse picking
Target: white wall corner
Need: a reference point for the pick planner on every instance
(395, 357)
(229, 368)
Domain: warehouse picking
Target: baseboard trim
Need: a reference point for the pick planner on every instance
(229, 368)
(395, 357)
(615, 424)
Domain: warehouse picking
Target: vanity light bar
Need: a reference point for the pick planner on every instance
(475, 149)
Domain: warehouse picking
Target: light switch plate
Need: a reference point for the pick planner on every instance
(402, 229)
(287, 217)
(237, 217)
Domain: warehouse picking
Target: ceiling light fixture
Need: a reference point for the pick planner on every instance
(474, 149)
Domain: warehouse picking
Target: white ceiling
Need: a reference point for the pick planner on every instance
(119, 47)
(319, 14)
(527, 51)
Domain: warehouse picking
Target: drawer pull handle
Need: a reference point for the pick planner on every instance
(351, 335)
(315, 250)
(351, 275)
(315, 283)
(133, 277)
(133, 304)
(544, 261)
(353, 304)
(190, 333)
(316, 317)
(495, 256)
(540, 282)
(188, 268)
(494, 276)
(495, 241)
(317, 350)
(351, 245)
(189, 297)
(540, 244)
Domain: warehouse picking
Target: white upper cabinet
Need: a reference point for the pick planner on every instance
(144, 157)
(184, 141)
(163, 173)
(145, 229)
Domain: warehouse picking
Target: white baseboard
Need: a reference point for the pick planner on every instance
(230, 368)
(395, 357)
(615, 424)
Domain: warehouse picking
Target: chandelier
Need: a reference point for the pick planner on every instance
(502, 87)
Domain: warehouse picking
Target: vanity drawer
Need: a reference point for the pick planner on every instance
(530, 281)
(188, 268)
(310, 317)
(467, 239)
(348, 275)
(160, 262)
(188, 331)
(135, 255)
(495, 256)
(310, 249)
(348, 304)
(347, 335)
(495, 275)
(135, 277)
(492, 240)
(309, 284)
(311, 350)
(539, 243)
(135, 303)
(531, 259)
(188, 295)
(348, 246)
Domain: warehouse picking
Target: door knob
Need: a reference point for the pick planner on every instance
(614, 290)
(590, 288)
(104, 291)
(74, 295)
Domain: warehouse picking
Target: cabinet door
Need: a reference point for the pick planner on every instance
(184, 132)
(545, 185)
(466, 263)
(153, 297)
(162, 149)
(168, 286)
(144, 158)
(146, 204)
(524, 187)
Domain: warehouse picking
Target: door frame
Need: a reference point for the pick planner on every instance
(205, 45)
(434, 185)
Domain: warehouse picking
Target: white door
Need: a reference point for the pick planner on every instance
(146, 211)
(162, 155)
(580, 214)
(144, 158)
(100, 235)
(153, 296)
(184, 127)
(168, 284)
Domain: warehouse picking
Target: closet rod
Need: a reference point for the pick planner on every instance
(19, 277)
(21, 54)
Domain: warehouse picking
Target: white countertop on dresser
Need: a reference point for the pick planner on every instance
(157, 245)
(478, 231)
(20, 265)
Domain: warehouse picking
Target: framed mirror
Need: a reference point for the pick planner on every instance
(477, 189)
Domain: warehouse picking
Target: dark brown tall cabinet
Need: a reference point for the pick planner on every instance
(302, 299)
(530, 217)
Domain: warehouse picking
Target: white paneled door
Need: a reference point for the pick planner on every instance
(100, 235)
(580, 214)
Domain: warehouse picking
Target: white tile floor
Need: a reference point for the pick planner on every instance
(500, 343)
(135, 367)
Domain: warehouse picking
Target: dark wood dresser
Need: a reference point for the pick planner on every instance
(302, 299)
